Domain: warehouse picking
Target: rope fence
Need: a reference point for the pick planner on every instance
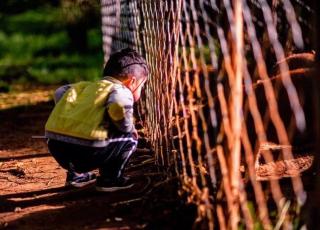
(225, 104)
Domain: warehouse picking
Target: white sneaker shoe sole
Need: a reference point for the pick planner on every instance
(112, 189)
(80, 184)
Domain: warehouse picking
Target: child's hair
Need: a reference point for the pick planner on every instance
(125, 62)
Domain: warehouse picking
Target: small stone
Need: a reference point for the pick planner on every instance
(118, 219)
(108, 220)
(17, 209)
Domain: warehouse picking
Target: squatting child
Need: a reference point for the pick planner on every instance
(91, 125)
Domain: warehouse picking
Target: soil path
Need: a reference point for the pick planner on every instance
(33, 196)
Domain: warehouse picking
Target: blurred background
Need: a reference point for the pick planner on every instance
(47, 42)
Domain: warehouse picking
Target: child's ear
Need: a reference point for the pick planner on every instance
(133, 80)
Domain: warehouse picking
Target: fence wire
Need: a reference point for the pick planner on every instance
(224, 107)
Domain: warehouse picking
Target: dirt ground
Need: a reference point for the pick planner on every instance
(33, 196)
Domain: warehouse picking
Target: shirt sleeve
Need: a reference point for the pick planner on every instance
(60, 92)
(120, 109)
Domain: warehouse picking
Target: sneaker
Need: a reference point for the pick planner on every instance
(104, 185)
(79, 180)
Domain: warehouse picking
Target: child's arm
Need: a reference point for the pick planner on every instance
(59, 92)
(120, 110)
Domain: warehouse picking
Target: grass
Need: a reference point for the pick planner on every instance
(45, 20)
(21, 47)
(35, 47)
(204, 50)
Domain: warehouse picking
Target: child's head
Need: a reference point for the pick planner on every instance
(129, 67)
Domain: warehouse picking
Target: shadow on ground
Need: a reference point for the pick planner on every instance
(33, 196)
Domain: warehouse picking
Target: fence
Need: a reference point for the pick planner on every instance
(225, 103)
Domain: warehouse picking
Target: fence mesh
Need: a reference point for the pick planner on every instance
(224, 105)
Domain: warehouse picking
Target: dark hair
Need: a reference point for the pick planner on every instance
(125, 62)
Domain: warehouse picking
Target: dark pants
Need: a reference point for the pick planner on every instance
(110, 159)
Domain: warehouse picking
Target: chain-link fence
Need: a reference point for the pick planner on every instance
(225, 104)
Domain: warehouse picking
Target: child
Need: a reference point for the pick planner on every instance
(91, 125)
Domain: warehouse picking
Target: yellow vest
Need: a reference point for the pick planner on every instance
(80, 112)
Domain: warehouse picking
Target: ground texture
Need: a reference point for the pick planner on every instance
(32, 192)
(33, 195)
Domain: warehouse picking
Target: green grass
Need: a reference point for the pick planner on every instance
(35, 47)
(44, 20)
(25, 46)
(204, 50)
(43, 75)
